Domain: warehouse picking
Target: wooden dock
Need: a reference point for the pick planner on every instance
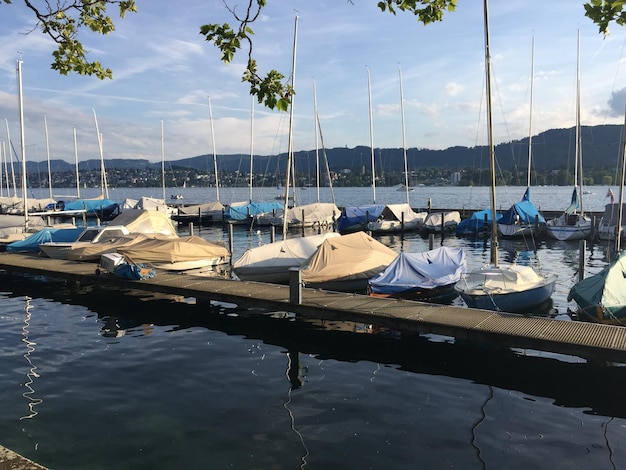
(586, 340)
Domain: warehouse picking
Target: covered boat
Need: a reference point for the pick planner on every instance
(146, 221)
(522, 219)
(346, 263)
(99, 207)
(514, 288)
(244, 212)
(356, 218)
(207, 213)
(90, 235)
(272, 262)
(420, 275)
(477, 224)
(31, 243)
(602, 297)
(436, 222)
(316, 215)
(397, 218)
(176, 254)
(607, 226)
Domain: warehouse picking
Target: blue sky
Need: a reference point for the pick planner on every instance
(165, 71)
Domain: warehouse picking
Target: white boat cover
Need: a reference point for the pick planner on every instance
(348, 257)
(271, 262)
(321, 214)
(450, 220)
(392, 216)
(428, 270)
(146, 221)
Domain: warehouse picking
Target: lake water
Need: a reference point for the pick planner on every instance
(99, 379)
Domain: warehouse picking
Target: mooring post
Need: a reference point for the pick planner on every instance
(230, 241)
(431, 241)
(190, 229)
(582, 248)
(402, 223)
(272, 233)
(295, 286)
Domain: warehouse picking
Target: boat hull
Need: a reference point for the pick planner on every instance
(569, 228)
(506, 294)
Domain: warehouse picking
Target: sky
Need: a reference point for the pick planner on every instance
(166, 74)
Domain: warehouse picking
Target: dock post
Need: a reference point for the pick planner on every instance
(582, 248)
(430, 204)
(593, 226)
(295, 286)
(190, 228)
(402, 223)
(443, 226)
(200, 218)
(431, 241)
(230, 241)
(272, 233)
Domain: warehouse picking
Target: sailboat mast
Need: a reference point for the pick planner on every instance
(317, 147)
(103, 175)
(10, 146)
(290, 145)
(369, 93)
(406, 167)
(45, 125)
(250, 182)
(217, 183)
(162, 162)
(492, 154)
(530, 114)
(578, 166)
(620, 215)
(22, 140)
(76, 164)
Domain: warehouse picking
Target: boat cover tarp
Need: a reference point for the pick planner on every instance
(241, 211)
(526, 211)
(316, 212)
(208, 208)
(146, 221)
(605, 289)
(475, 223)
(46, 235)
(288, 253)
(173, 250)
(348, 257)
(434, 219)
(611, 214)
(428, 270)
(91, 205)
(94, 251)
(358, 216)
(395, 211)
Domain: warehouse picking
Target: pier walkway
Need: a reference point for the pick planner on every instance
(586, 340)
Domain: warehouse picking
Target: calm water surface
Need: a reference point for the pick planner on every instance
(95, 379)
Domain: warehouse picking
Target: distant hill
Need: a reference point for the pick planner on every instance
(552, 149)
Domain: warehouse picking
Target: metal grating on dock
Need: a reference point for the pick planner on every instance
(604, 342)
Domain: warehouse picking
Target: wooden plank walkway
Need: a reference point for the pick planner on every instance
(587, 340)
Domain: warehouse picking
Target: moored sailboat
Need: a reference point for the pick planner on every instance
(511, 288)
(573, 224)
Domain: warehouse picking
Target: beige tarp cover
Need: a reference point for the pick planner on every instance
(93, 251)
(208, 208)
(395, 211)
(173, 250)
(351, 256)
(145, 221)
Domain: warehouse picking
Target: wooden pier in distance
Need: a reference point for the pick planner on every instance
(586, 340)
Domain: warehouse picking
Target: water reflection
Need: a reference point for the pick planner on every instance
(32, 374)
(571, 384)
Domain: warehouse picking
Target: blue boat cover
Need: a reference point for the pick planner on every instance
(355, 218)
(428, 270)
(250, 210)
(91, 205)
(31, 243)
(526, 211)
(476, 223)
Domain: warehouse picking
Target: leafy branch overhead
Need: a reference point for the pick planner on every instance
(62, 20)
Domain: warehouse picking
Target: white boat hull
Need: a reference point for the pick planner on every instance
(579, 229)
